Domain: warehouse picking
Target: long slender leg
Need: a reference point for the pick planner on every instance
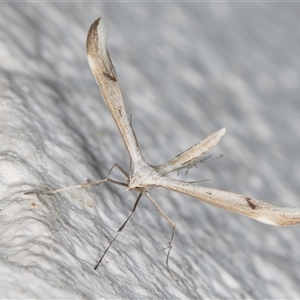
(172, 236)
(115, 165)
(119, 230)
(86, 184)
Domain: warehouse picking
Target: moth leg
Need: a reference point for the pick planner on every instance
(169, 247)
(119, 230)
(86, 184)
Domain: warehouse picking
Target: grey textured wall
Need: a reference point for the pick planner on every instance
(186, 70)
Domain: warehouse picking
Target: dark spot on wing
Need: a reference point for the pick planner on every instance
(250, 203)
(109, 76)
(188, 161)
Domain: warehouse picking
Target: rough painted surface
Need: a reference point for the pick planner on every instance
(186, 70)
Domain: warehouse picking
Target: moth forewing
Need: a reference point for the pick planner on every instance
(259, 210)
(106, 77)
(185, 158)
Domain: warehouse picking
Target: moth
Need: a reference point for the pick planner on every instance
(143, 177)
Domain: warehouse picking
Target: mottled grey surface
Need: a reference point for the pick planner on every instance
(186, 70)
